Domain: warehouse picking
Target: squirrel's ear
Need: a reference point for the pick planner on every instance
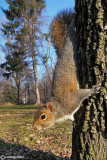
(50, 107)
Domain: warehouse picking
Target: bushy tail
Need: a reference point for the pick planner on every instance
(60, 26)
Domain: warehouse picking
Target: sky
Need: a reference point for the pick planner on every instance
(52, 8)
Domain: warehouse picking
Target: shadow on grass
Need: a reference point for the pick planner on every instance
(17, 151)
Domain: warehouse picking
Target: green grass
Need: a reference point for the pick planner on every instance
(16, 129)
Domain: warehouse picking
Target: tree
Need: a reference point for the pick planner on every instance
(88, 139)
(32, 22)
(24, 17)
(47, 55)
(1, 83)
(15, 62)
(14, 65)
(28, 91)
(45, 87)
(10, 94)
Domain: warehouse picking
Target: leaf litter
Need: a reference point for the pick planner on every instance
(18, 138)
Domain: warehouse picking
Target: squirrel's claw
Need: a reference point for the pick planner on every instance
(96, 88)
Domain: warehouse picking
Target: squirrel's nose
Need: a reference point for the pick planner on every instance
(37, 126)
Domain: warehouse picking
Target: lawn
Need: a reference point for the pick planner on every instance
(19, 140)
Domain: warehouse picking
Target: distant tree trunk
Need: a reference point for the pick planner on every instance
(36, 81)
(88, 139)
(17, 79)
(19, 97)
(19, 91)
(45, 92)
(26, 95)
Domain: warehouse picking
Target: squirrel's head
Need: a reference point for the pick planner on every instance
(44, 117)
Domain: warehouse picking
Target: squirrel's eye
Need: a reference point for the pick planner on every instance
(43, 116)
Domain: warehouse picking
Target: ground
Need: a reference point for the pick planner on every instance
(18, 140)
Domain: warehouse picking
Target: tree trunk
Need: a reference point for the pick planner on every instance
(26, 95)
(45, 92)
(19, 92)
(19, 98)
(17, 79)
(88, 139)
(31, 32)
(36, 81)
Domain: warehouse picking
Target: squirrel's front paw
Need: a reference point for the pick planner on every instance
(96, 88)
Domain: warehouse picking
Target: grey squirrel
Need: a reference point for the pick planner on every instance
(67, 97)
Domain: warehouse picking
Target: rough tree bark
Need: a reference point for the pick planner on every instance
(89, 136)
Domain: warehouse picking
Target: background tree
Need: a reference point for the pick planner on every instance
(10, 93)
(88, 140)
(14, 63)
(2, 81)
(45, 87)
(25, 16)
(47, 55)
(32, 18)
(28, 85)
